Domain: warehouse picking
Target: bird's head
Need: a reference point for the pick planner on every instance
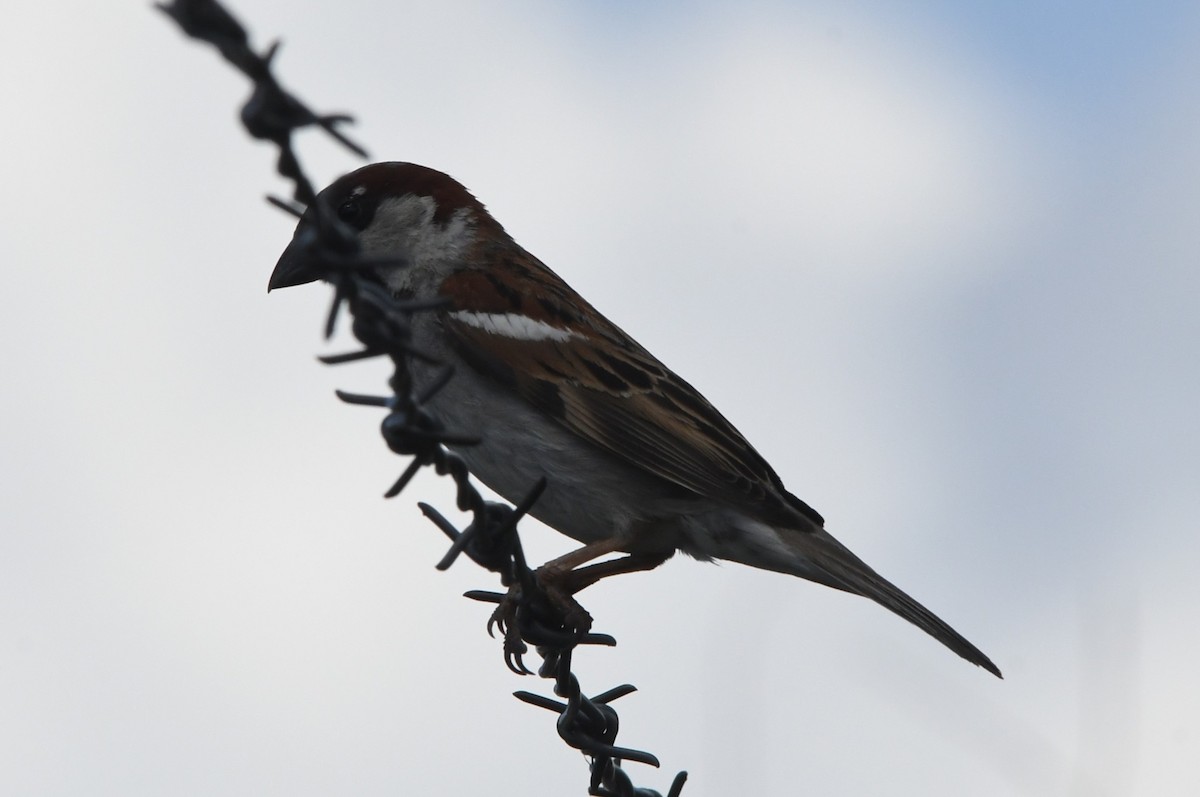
(399, 211)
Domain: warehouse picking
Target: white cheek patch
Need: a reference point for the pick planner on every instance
(517, 327)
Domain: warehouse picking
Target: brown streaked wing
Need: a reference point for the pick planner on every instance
(604, 387)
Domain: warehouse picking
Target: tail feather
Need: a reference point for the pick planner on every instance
(825, 560)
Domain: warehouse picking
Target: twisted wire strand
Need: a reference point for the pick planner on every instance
(380, 322)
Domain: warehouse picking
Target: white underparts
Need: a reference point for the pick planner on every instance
(518, 327)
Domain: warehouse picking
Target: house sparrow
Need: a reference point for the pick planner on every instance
(637, 461)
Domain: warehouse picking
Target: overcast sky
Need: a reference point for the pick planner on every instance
(938, 261)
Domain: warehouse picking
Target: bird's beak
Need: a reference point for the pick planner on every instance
(296, 265)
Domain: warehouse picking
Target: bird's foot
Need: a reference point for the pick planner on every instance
(547, 614)
(559, 584)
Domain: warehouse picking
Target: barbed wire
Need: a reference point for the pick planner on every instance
(526, 615)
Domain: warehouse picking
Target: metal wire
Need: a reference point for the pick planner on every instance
(526, 615)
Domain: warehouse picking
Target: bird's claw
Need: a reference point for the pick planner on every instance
(505, 618)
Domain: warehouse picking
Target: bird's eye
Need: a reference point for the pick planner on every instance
(351, 213)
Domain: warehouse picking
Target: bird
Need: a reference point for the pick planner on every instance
(636, 460)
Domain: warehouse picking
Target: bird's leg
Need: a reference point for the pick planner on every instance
(580, 578)
(561, 578)
(547, 584)
(549, 579)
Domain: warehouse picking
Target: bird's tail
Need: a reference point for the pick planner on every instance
(823, 559)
